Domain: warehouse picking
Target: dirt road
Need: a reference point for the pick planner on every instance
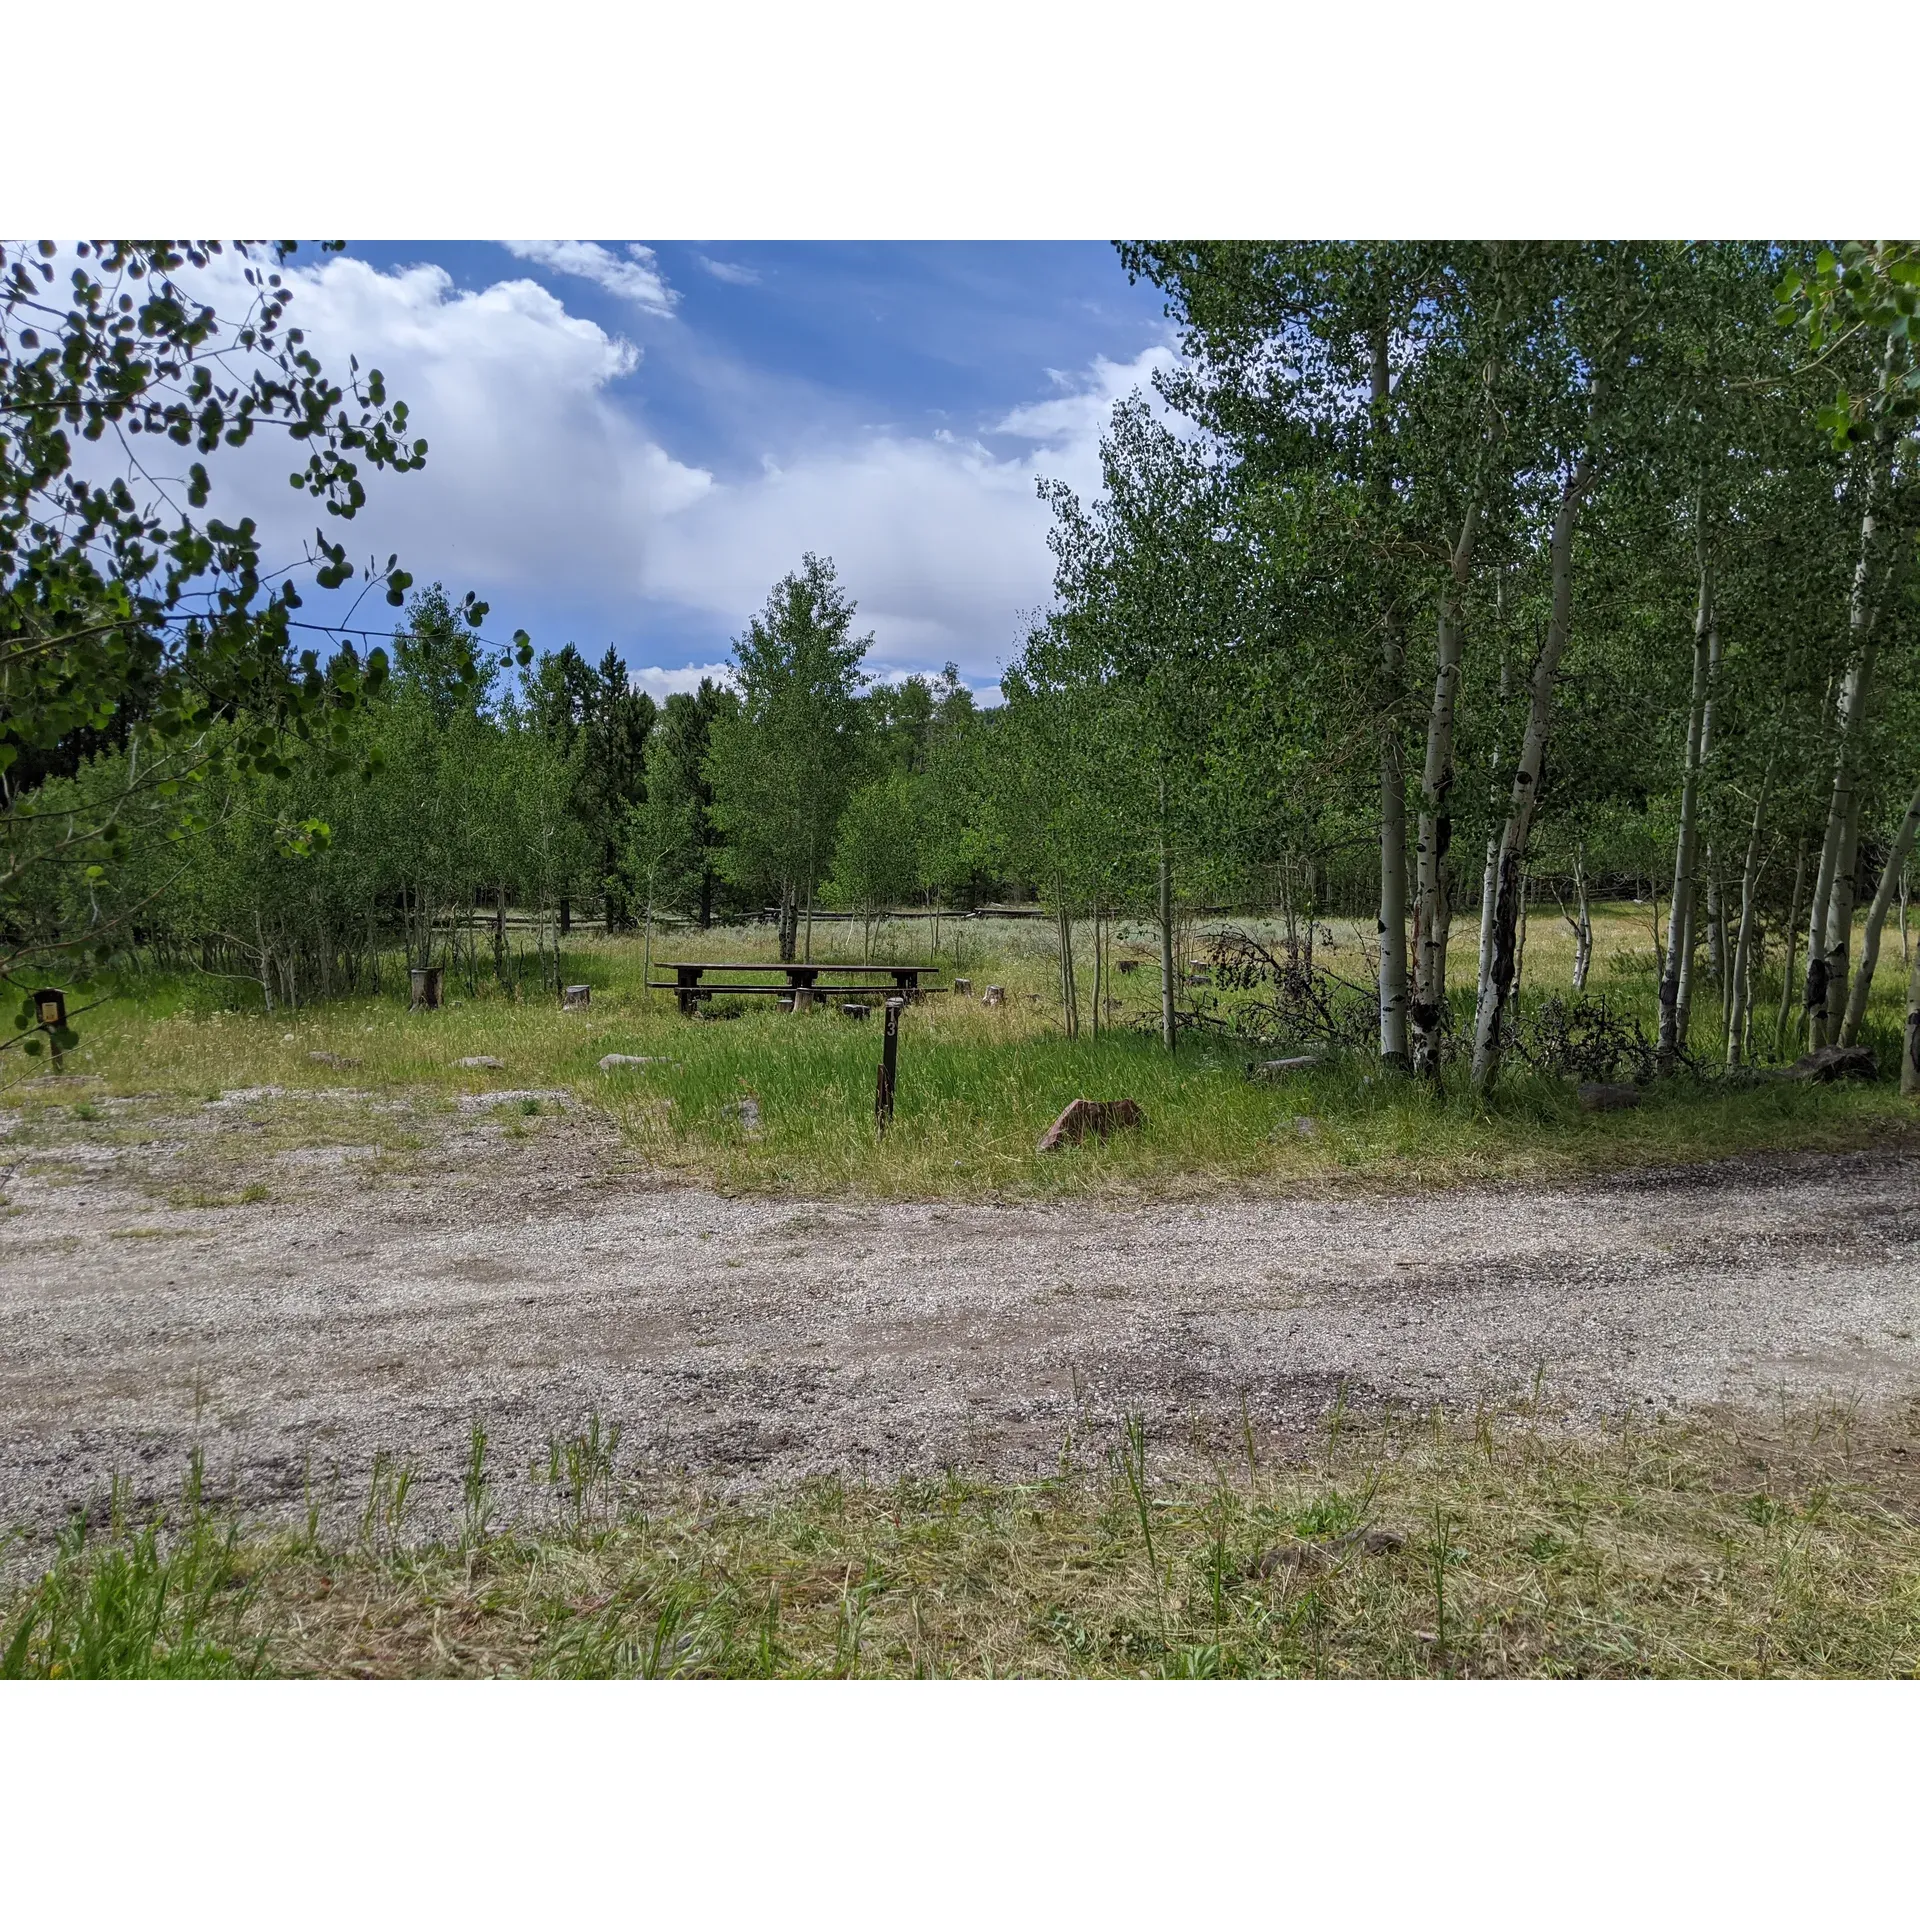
(382, 1301)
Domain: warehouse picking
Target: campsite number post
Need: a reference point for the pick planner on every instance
(889, 1066)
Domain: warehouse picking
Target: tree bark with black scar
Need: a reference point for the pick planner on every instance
(1510, 870)
(1676, 974)
(1433, 912)
(1883, 899)
(1393, 774)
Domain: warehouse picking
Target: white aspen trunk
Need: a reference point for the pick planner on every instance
(1855, 686)
(1392, 921)
(1583, 964)
(1488, 1039)
(1739, 991)
(1490, 874)
(1910, 1049)
(1096, 966)
(1073, 977)
(1167, 1028)
(1520, 942)
(1716, 928)
(1793, 936)
(1488, 881)
(1433, 912)
(1906, 950)
(1676, 975)
(1393, 782)
(1876, 919)
(1582, 925)
(1846, 875)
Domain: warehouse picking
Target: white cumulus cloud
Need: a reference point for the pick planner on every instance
(940, 538)
(634, 275)
(661, 681)
(547, 490)
(731, 271)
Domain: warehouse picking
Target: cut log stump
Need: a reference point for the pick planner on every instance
(1083, 1117)
(577, 997)
(1836, 1063)
(426, 983)
(994, 997)
(1279, 1069)
(1597, 1096)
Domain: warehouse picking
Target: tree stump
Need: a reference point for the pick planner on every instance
(1836, 1063)
(1278, 1069)
(577, 997)
(802, 999)
(963, 989)
(855, 1009)
(426, 984)
(994, 997)
(1597, 1096)
(1083, 1117)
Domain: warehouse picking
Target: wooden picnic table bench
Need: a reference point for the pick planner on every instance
(691, 985)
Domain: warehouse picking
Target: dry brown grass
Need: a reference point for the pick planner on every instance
(1489, 1547)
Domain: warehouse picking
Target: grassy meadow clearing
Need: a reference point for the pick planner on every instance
(977, 1085)
(1502, 1544)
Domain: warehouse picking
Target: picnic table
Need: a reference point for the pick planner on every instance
(691, 982)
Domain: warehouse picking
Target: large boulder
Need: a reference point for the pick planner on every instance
(1083, 1117)
(1836, 1063)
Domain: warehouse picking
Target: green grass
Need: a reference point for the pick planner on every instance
(145, 1602)
(1485, 1547)
(976, 1086)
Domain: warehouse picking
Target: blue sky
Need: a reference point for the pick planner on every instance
(630, 443)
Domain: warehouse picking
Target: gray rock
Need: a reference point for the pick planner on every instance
(322, 1058)
(610, 1061)
(482, 1062)
(746, 1111)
